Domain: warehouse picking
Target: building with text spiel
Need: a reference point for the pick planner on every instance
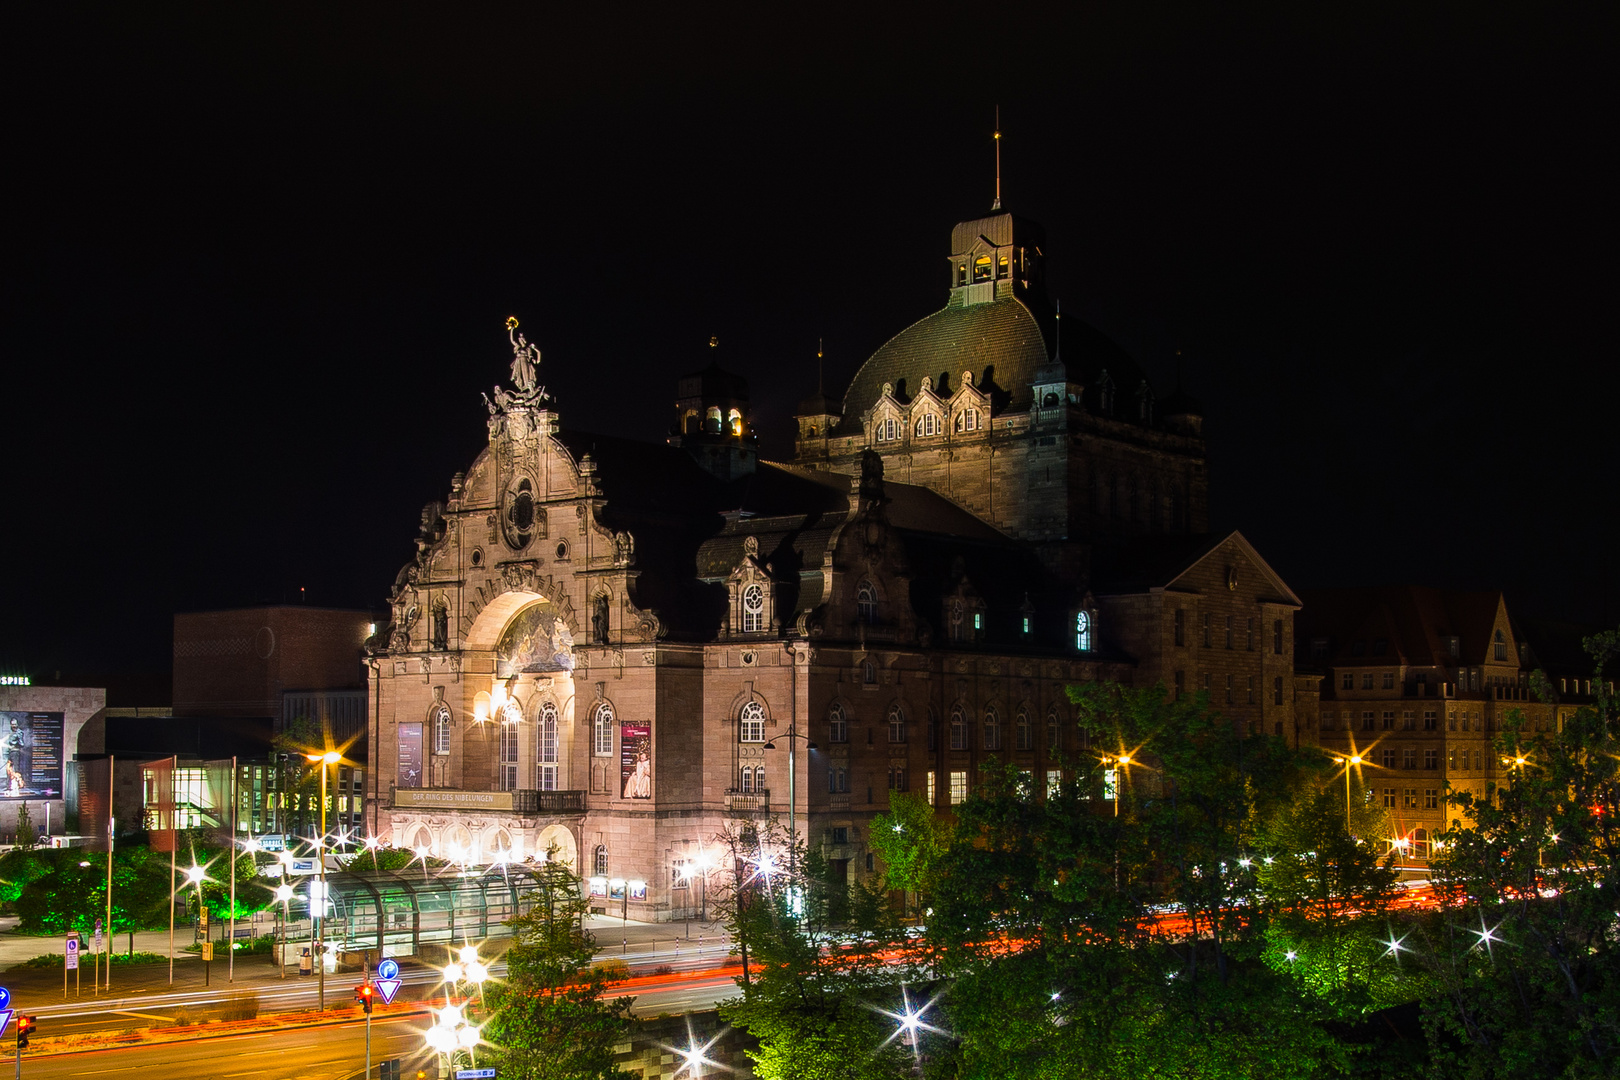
(607, 650)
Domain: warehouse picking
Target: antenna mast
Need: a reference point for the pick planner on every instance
(997, 204)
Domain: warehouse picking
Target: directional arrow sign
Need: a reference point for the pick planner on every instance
(387, 988)
(388, 969)
(5, 997)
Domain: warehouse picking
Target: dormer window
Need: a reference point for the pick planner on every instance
(961, 274)
(712, 421)
(1082, 631)
(967, 420)
(866, 603)
(1050, 400)
(1003, 265)
(753, 608)
(981, 269)
(1500, 651)
(928, 424)
(734, 421)
(886, 430)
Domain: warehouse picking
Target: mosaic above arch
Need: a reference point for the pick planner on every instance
(537, 640)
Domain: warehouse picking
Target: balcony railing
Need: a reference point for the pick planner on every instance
(748, 802)
(530, 801)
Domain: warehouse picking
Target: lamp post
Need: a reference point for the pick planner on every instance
(284, 893)
(793, 800)
(453, 1032)
(1121, 763)
(1352, 760)
(195, 874)
(467, 968)
(328, 758)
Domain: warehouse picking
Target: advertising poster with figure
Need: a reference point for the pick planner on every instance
(410, 756)
(635, 761)
(30, 755)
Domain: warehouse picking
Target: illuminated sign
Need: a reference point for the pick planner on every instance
(30, 755)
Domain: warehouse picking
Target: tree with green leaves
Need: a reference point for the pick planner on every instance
(25, 828)
(823, 994)
(549, 1019)
(1089, 936)
(1525, 952)
(909, 840)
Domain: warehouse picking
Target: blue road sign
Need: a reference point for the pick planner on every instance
(388, 969)
(475, 1074)
(5, 997)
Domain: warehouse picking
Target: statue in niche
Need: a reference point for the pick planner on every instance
(599, 620)
(441, 627)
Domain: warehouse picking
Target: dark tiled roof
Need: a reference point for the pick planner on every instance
(1414, 620)
(1148, 562)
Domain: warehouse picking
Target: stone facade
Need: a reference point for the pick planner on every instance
(78, 706)
(607, 652)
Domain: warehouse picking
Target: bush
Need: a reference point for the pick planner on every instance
(54, 960)
(242, 1005)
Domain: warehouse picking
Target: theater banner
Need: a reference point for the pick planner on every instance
(635, 761)
(410, 756)
(31, 755)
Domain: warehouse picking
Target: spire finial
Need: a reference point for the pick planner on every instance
(818, 366)
(997, 204)
(1057, 346)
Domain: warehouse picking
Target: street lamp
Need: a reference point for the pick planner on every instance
(284, 893)
(793, 800)
(452, 1032)
(1353, 760)
(467, 968)
(331, 757)
(1121, 763)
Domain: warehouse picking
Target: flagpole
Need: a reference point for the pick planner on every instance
(174, 843)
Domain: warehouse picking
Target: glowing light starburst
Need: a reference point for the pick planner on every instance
(694, 1056)
(909, 1021)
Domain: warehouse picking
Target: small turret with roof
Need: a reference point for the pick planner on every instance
(712, 422)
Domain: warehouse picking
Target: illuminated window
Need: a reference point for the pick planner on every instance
(1082, 631)
(751, 723)
(1054, 782)
(753, 609)
(928, 424)
(981, 268)
(546, 732)
(967, 420)
(933, 788)
(734, 421)
(509, 756)
(961, 273)
(1003, 265)
(602, 731)
(959, 788)
(837, 724)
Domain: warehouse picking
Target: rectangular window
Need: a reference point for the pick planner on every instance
(933, 787)
(897, 778)
(1181, 626)
(1409, 758)
(1451, 758)
(1250, 636)
(1408, 721)
(1277, 638)
(1110, 783)
(680, 874)
(1389, 798)
(1251, 689)
(838, 729)
(958, 787)
(1389, 680)
(1389, 719)
(1054, 782)
(1411, 798)
(751, 729)
(509, 757)
(1367, 681)
(1276, 690)
(1431, 759)
(1431, 720)
(840, 834)
(1451, 721)
(1327, 721)
(1366, 721)
(1389, 758)
(1207, 617)
(1348, 682)
(1431, 798)
(897, 728)
(1229, 689)
(1229, 631)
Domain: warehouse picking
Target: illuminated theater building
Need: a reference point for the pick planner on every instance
(607, 650)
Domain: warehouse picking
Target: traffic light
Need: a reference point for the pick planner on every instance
(365, 994)
(25, 1028)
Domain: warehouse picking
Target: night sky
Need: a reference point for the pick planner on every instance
(259, 261)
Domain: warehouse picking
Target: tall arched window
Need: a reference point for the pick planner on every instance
(441, 729)
(837, 723)
(759, 778)
(602, 731)
(1082, 631)
(897, 724)
(745, 779)
(546, 758)
(751, 723)
(1054, 731)
(992, 729)
(959, 725)
(600, 863)
(753, 609)
(866, 602)
(1026, 733)
(509, 757)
